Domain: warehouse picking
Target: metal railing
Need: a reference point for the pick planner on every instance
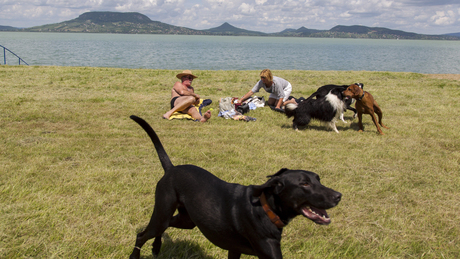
(4, 56)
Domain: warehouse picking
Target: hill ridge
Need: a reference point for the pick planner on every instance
(137, 23)
(228, 29)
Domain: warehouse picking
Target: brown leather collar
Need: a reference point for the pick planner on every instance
(272, 215)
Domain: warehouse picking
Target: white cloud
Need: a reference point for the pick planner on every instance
(345, 14)
(247, 8)
(444, 18)
(260, 2)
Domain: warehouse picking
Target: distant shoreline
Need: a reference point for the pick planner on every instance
(271, 35)
(430, 75)
(231, 35)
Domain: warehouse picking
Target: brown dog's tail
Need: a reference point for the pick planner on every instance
(164, 158)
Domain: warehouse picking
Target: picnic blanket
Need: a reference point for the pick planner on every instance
(227, 110)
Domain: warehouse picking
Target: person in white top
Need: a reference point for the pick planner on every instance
(279, 89)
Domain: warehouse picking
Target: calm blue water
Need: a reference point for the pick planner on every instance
(230, 53)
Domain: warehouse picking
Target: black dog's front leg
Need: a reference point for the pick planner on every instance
(234, 254)
(353, 110)
(268, 249)
(182, 220)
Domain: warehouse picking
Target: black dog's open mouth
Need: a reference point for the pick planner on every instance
(318, 216)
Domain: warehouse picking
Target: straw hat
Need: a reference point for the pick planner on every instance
(185, 73)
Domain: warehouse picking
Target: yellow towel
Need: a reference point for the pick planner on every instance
(182, 116)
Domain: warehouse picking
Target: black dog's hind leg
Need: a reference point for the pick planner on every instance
(181, 220)
(165, 206)
(155, 229)
(152, 230)
(156, 246)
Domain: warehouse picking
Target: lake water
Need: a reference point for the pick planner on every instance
(230, 52)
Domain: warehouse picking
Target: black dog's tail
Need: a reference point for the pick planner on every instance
(313, 95)
(290, 109)
(164, 158)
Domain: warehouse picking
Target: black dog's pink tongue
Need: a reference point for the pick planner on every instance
(318, 216)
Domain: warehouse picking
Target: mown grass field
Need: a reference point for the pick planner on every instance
(77, 176)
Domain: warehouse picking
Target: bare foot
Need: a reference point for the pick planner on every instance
(290, 101)
(206, 116)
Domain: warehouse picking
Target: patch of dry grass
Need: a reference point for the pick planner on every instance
(77, 176)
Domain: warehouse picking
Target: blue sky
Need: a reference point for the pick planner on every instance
(420, 16)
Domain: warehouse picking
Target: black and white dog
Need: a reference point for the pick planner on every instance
(325, 89)
(327, 104)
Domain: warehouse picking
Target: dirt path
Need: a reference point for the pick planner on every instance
(445, 76)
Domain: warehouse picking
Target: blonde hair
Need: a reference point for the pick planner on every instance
(268, 74)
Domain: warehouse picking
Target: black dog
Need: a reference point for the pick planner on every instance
(237, 218)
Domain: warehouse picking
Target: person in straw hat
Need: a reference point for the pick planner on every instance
(184, 98)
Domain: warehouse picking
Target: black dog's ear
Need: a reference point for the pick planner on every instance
(258, 189)
(361, 85)
(279, 172)
(275, 183)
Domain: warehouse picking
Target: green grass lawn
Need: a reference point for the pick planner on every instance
(77, 176)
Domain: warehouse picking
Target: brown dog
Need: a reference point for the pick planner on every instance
(366, 104)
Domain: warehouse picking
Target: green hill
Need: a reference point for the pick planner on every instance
(301, 32)
(358, 31)
(8, 28)
(114, 22)
(454, 34)
(228, 29)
